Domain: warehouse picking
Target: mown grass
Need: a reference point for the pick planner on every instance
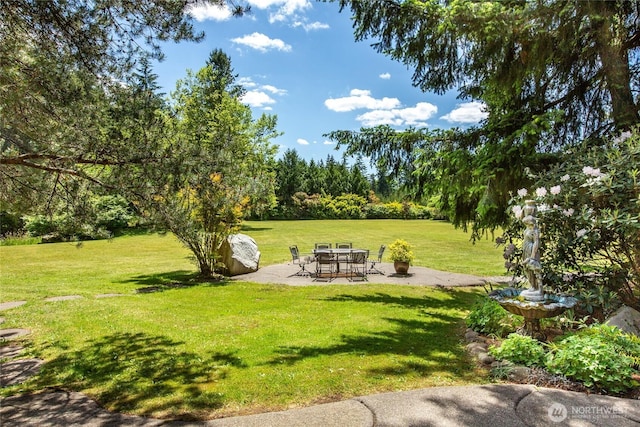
(194, 349)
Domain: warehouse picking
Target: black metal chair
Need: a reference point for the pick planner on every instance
(326, 266)
(357, 266)
(301, 262)
(343, 257)
(374, 262)
(323, 245)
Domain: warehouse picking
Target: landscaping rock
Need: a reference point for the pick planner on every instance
(627, 319)
(240, 254)
(476, 347)
(486, 358)
(471, 336)
(519, 374)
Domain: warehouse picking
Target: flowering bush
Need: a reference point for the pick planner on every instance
(589, 219)
(400, 250)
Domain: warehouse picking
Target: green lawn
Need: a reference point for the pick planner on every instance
(202, 349)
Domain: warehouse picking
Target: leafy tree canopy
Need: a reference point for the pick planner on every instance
(64, 68)
(551, 73)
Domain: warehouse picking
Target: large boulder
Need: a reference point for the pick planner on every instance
(627, 319)
(240, 254)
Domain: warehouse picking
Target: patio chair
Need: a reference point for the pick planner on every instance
(301, 262)
(357, 266)
(326, 266)
(323, 245)
(374, 262)
(343, 257)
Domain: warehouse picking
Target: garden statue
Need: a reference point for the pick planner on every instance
(532, 304)
(531, 255)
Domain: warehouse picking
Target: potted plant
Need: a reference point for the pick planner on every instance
(401, 254)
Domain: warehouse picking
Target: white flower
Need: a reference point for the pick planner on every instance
(581, 232)
(541, 192)
(623, 136)
(568, 212)
(595, 172)
(565, 178)
(517, 211)
(522, 192)
(555, 189)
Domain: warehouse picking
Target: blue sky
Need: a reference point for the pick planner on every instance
(298, 60)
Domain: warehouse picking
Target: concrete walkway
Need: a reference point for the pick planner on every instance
(485, 405)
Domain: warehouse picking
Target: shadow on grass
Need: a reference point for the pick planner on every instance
(245, 227)
(454, 300)
(423, 346)
(173, 279)
(142, 373)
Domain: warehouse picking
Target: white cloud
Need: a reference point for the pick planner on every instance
(410, 116)
(360, 99)
(327, 142)
(262, 43)
(246, 82)
(418, 114)
(302, 141)
(274, 90)
(202, 12)
(258, 95)
(382, 111)
(469, 112)
(385, 76)
(285, 8)
(257, 99)
(313, 26)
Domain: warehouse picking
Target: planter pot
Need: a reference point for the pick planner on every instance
(402, 267)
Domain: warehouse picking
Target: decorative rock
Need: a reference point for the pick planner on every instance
(471, 335)
(486, 358)
(475, 348)
(519, 373)
(627, 319)
(240, 254)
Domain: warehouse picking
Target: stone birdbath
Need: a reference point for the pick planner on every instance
(511, 299)
(533, 303)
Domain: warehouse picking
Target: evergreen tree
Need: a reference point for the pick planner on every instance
(551, 73)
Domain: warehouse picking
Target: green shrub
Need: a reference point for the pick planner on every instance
(600, 356)
(10, 224)
(112, 213)
(520, 349)
(488, 317)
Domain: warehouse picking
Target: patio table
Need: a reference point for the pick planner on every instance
(340, 254)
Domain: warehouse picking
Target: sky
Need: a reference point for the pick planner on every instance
(298, 60)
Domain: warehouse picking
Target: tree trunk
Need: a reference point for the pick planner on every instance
(615, 64)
